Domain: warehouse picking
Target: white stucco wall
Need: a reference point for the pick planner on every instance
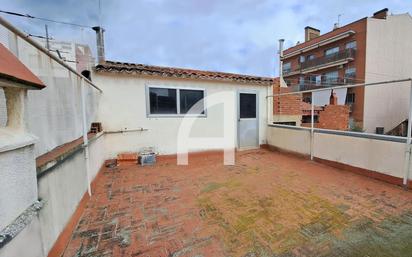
(294, 140)
(62, 189)
(50, 117)
(26, 244)
(55, 114)
(386, 157)
(17, 183)
(97, 154)
(388, 57)
(123, 105)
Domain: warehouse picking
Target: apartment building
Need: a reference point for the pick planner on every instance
(368, 50)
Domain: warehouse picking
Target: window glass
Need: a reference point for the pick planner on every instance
(331, 77)
(189, 98)
(310, 57)
(301, 58)
(332, 51)
(351, 45)
(350, 98)
(318, 79)
(312, 79)
(286, 67)
(301, 80)
(247, 105)
(350, 73)
(162, 101)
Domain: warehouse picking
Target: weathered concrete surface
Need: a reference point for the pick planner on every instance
(268, 204)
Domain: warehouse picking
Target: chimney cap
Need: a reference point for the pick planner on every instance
(98, 28)
(381, 11)
(312, 28)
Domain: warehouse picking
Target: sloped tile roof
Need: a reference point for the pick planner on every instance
(13, 70)
(142, 69)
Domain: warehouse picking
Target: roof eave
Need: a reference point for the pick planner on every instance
(11, 81)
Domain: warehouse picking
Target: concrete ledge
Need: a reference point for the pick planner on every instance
(58, 155)
(11, 140)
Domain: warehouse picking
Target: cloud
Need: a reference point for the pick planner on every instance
(232, 35)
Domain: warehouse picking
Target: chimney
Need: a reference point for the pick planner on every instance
(382, 14)
(100, 44)
(311, 33)
(333, 99)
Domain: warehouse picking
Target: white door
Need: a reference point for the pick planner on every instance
(248, 128)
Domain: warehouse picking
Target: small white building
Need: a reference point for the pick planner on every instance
(151, 106)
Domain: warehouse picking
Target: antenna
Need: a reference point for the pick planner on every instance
(47, 37)
(339, 15)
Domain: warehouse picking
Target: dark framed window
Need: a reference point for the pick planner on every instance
(351, 45)
(310, 57)
(350, 98)
(162, 101)
(331, 51)
(191, 101)
(287, 67)
(247, 106)
(175, 101)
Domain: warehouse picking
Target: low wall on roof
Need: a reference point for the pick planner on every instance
(362, 153)
(63, 186)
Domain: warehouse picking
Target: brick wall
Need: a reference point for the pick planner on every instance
(334, 117)
(286, 104)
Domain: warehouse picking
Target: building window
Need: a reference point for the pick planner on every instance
(331, 77)
(191, 100)
(247, 107)
(310, 57)
(301, 59)
(318, 79)
(175, 101)
(351, 45)
(312, 79)
(287, 67)
(301, 83)
(331, 51)
(307, 99)
(350, 98)
(163, 101)
(350, 75)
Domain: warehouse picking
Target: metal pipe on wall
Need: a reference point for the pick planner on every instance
(312, 125)
(281, 41)
(85, 138)
(408, 143)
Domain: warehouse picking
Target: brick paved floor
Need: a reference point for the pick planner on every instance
(268, 204)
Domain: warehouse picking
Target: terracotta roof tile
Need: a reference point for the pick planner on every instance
(14, 70)
(121, 67)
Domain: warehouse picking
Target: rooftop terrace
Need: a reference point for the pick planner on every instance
(268, 204)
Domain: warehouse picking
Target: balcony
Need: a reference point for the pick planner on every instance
(339, 58)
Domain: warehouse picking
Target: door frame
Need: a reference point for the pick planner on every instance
(247, 91)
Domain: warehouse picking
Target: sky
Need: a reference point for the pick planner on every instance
(239, 36)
